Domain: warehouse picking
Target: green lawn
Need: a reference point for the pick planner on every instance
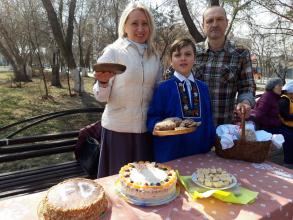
(20, 103)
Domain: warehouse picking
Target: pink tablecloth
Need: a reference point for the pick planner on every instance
(274, 184)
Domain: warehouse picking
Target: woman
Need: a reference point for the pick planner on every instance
(266, 110)
(267, 116)
(124, 134)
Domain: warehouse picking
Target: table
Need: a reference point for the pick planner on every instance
(273, 182)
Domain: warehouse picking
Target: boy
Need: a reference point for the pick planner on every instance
(184, 97)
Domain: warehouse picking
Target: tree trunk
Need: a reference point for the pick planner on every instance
(46, 96)
(189, 22)
(56, 28)
(87, 59)
(78, 83)
(214, 2)
(64, 42)
(81, 58)
(55, 81)
(17, 65)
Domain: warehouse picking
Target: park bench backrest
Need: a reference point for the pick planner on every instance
(21, 148)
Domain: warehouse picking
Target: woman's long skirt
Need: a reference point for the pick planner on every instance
(118, 149)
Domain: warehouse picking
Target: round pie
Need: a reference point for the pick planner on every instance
(74, 199)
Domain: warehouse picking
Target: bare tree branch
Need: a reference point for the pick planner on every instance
(267, 6)
(64, 45)
(234, 14)
(189, 22)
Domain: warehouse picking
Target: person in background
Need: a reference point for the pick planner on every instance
(184, 97)
(266, 115)
(224, 67)
(286, 115)
(124, 133)
(266, 110)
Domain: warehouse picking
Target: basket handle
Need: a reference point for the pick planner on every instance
(242, 125)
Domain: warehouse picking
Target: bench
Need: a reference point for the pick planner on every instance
(21, 148)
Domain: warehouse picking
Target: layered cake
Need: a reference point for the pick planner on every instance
(146, 181)
(74, 199)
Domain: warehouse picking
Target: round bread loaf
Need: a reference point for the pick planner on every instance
(74, 199)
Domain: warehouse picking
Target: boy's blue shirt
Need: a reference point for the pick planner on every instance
(167, 102)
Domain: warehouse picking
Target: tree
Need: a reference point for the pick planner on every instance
(55, 79)
(189, 22)
(104, 23)
(34, 27)
(88, 14)
(272, 41)
(214, 2)
(64, 41)
(281, 8)
(235, 5)
(168, 29)
(13, 39)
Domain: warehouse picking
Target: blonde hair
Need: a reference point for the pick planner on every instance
(124, 16)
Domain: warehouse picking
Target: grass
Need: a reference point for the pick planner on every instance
(27, 101)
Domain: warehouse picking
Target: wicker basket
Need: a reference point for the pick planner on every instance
(251, 151)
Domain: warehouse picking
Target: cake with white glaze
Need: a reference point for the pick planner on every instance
(74, 199)
(147, 181)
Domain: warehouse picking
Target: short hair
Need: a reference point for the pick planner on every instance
(213, 6)
(272, 83)
(123, 19)
(178, 44)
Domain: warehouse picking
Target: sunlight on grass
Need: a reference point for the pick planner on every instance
(21, 103)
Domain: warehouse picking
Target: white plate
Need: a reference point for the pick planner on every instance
(234, 182)
(146, 202)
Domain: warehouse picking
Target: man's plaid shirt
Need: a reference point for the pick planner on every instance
(227, 73)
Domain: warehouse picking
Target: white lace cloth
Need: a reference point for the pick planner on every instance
(228, 133)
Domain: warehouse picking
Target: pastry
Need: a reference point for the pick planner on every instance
(213, 177)
(175, 124)
(165, 125)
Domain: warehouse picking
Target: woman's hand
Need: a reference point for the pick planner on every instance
(103, 77)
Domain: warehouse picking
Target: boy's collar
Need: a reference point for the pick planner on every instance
(183, 78)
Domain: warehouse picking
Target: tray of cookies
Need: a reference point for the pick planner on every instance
(214, 178)
(175, 126)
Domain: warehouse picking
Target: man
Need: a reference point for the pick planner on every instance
(226, 70)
